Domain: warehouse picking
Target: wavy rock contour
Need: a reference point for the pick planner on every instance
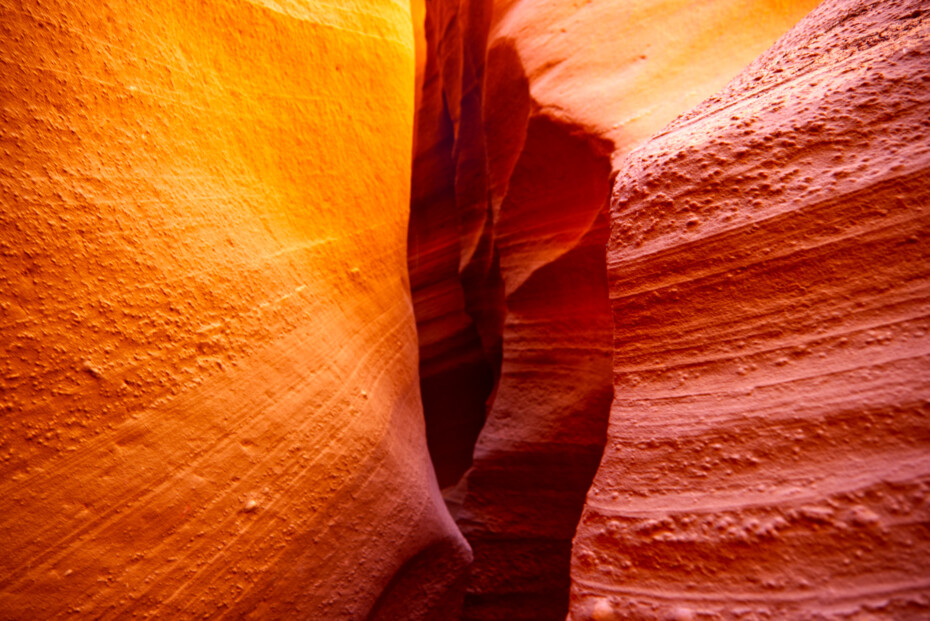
(536, 103)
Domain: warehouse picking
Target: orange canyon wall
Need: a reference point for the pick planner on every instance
(211, 383)
(208, 377)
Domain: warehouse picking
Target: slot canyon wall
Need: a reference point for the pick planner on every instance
(769, 445)
(208, 380)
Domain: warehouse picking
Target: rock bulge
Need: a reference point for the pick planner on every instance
(208, 378)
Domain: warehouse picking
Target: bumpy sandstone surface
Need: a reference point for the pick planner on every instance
(208, 371)
(527, 106)
(769, 276)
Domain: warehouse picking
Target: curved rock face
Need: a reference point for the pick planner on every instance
(507, 252)
(208, 375)
(623, 70)
(768, 443)
(541, 444)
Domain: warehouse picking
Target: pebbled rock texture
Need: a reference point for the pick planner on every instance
(208, 373)
(769, 270)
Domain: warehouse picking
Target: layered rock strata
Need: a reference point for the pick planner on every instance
(208, 371)
(769, 274)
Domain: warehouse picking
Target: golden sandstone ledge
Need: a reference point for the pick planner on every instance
(464, 309)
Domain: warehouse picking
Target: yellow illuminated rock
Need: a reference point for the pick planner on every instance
(208, 372)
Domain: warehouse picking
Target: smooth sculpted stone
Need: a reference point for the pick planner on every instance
(526, 108)
(623, 69)
(208, 374)
(769, 262)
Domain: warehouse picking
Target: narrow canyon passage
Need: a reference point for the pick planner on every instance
(478, 310)
(508, 234)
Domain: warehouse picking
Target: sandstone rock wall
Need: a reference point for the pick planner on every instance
(519, 311)
(769, 268)
(208, 371)
(457, 325)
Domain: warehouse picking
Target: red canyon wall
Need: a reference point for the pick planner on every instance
(769, 266)
(459, 342)
(527, 107)
(208, 379)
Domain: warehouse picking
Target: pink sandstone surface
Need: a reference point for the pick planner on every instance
(768, 446)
